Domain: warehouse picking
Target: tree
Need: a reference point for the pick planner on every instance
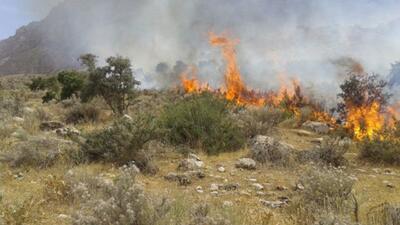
(360, 91)
(114, 82)
(88, 60)
(72, 83)
(50, 85)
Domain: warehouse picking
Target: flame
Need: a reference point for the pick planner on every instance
(365, 121)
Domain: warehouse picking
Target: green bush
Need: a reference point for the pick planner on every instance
(123, 142)
(381, 151)
(72, 83)
(83, 113)
(202, 121)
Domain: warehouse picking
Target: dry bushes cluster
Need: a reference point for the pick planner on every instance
(381, 151)
(326, 191)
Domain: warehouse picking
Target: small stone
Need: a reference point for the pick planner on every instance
(214, 193)
(272, 204)
(63, 216)
(171, 176)
(260, 193)
(299, 187)
(258, 186)
(253, 180)
(376, 170)
(245, 193)
(221, 169)
(227, 204)
(214, 187)
(199, 189)
(388, 171)
(18, 119)
(184, 180)
(230, 187)
(281, 188)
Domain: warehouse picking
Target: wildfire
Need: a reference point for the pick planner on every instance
(365, 121)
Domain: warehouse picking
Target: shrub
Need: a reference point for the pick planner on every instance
(34, 152)
(72, 83)
(123, 142)
(329, 188)
(120, 202)
(268, 150)
(200, 216)
(202, 121)
(384, 214)
(259, 121)
(381, 151)
(331, 153)
(17, 213)
(83, 113)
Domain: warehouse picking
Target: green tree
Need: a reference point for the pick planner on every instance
(72, 83)
(114, 82)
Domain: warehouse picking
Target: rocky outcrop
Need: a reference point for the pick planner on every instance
(268, 150)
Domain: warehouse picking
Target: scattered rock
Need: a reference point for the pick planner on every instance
(299, 187)
(245, 193)
(281, 188)
(260, 193)
(272, 204)
(63, 216)
(214, 187)
(18, 119)
(51, 125)
(303, 133)
(221, 169)
(230, 187)
(252, 179)
(199, 189)
(318, 127)
(388, 184)
(258, 186)
(19, 176)
(68, 132)
(127, 117)
(214, 193)
(171, 176)
(246, 163)
(317, 140)
(227, 204)
(184, 180)
(190, 164)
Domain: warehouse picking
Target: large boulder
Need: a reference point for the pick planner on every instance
(318, 127)
(266, 149)
(193, 162)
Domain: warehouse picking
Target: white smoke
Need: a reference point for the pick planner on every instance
(299, 38)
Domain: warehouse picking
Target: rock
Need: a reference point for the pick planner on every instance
(221, 169)
(390, 185)
(190, 164)
(196, 174)
(214, 187)
(376, 170)
(214, 193)
(272, 204)
(171, 176)
(252, 179)
(299, 187)
(260, 193)
(230, 187)
(199, 189)
(388, 171)
(245, 193)
(184, 180)
(318, 127)
(68, 132)
(51, 125)
(63, 216)
(258, 186)
(127, 117)
(317, 140)
(246, 163)
(193, 156)
(303, 133)
(227, 204)
(18, 119)
(281, 188)
(266, 149)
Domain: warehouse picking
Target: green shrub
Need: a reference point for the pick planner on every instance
(123, 142)
(202, 121)
(83, 113)
(381, 151)
(72, 83)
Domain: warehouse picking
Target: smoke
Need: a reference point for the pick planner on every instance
(311, 40)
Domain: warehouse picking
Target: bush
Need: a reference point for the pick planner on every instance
(123, 142)
(381, 151)
(200, 216)
(34, 152)
(384, 214)
(120, 202)
(72, 83)
(202, 121)
(331, 153)
(329, 188)
(18, 213)
(259, 121)
(83, 113)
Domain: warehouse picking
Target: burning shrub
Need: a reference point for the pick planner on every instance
(202, 121)
(123, 142)
(120, 202)
(114, 82)
(381, 151)
(363, 99)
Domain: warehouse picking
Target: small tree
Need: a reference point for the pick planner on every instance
(360, 91)
(72, 83)
(114, 82)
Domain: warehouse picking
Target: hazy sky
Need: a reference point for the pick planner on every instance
(16, 13)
